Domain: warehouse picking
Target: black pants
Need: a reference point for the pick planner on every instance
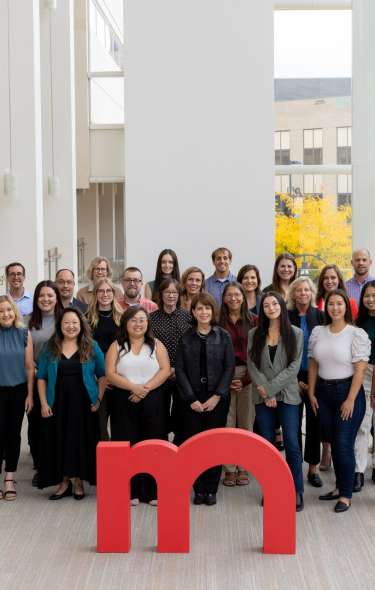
(195, 422)
(12, 410)
(135, 422)
(313, 433)
(35, 427)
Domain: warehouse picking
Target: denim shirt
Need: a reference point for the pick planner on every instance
(91, 369)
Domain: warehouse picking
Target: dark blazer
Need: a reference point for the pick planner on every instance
(220, 363)
(77, 304)
(314, 317)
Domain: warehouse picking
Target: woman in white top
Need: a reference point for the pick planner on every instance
(137, 365)
(338, 355)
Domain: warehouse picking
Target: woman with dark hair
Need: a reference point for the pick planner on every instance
(366, 321)
(104, 316)
(330, 279)
(304, 314)
(235, 318)
(168, 324)
(204, 371)
(284, 273)
(249, 277)
(16, 388)
(274, 357)
(69, 368)
(192, 282)
(338, 353)
(137, 366)
(47, 308)
(166, 268)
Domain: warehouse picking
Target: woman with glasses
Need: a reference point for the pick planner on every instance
(104, 315)
(99, 268)
(168, 324)
(274, 358)
(137, 366)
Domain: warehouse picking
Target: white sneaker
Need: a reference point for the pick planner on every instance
(134, 501)
(153, 502)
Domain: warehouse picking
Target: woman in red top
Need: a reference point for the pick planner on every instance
(236, 319)
(330, 278)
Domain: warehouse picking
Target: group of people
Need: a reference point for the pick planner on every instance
(181, 355)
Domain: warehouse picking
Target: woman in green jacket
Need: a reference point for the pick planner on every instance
(70, 377)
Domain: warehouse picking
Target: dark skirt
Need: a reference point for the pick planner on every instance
(69, 437)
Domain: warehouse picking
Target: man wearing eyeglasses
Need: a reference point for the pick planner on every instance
(132, 283)
(16, 274)
(65, 283)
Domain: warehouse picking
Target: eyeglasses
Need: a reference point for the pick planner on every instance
(15, 274)
(104, 291)
(171, 293)
(135, 281)
(100, 268)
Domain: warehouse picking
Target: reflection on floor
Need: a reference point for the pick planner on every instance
(51, 545)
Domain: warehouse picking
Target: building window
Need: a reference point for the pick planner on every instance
(282, 147)
(344, 145)
(312, 185)
(344, 190)
(313, 146)
(282, 183)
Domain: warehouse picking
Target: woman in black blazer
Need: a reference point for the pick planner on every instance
(204, 371)
(304, 315)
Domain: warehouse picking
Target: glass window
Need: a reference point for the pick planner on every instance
(282, 150)
(105, 36)
(107, 101)
(312, 101)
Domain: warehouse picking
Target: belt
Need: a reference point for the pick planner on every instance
(335, 381)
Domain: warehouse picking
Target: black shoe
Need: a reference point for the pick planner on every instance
(342, 506)
(68, 492)
(330, 496)
(315, 480)
(199, 499)
(299, 503)
(210, 499)
(35, 480)
(373, 475)
(279, 444)
(358, 482)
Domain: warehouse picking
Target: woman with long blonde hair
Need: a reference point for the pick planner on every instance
(104, 315)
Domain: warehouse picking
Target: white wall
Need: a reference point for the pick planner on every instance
(199, 131)
(363, 151)
(107, 154)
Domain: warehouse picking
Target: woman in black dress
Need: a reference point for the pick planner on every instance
(104, 315)
(68, 372)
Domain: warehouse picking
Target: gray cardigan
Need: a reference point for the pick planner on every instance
(278, 378)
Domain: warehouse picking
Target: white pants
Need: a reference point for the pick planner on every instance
(362, 439)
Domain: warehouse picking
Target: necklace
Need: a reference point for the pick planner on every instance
(105, 314)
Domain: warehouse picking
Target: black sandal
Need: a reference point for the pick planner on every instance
(10, 495)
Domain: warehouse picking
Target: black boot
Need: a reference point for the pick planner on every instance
(299, 502)
(358, 482)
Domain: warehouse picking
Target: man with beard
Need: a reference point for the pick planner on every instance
(132, 283)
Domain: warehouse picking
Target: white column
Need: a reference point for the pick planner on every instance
(199, 121)
(363, 151)
(57, 64)
(21, 216)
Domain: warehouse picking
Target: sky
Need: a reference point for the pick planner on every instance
(313, 43)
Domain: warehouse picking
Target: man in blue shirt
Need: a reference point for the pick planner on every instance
(222, 258)
(361, 262)
(16, 274)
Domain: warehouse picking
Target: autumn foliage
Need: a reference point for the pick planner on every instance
(314, 229)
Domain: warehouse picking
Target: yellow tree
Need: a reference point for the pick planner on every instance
(314, 226)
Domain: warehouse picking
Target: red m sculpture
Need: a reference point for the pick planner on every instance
(175, 469)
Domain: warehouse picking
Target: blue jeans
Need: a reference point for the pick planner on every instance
(288, 415)
(340, 433)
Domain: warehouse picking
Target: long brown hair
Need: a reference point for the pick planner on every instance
(275, 277)
(341, 285)
(36, 318)
(84, 339)
(247, 321)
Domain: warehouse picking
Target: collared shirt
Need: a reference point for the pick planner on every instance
(354, 287)
(24, 303)
(146, 303)
(169, 328)
(215, 286)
